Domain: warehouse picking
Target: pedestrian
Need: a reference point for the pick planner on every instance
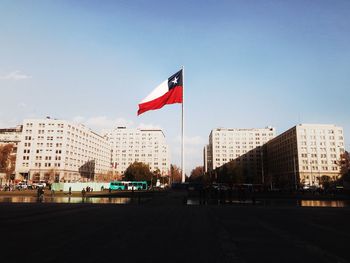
(40, 194)
(83, 192)
(70, 190)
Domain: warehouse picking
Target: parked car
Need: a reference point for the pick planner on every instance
(220, 186)
(40, 184)
(21, 186)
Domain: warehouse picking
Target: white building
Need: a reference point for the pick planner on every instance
(304, 153)
(146, 146)
(56, 150)
(226, 145)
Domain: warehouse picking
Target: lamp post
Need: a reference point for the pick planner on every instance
(262, 166)
(309, 163)
(295, 174)
(294, 170)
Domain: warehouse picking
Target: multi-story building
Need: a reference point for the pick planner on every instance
(11, 136)
(147, 146)
(57, 150)
(305, 153)
(240, 145)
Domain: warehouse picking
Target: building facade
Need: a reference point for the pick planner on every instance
(11, 136)
(57, 150)
(305, 153)
(146, 146)
(243, 146)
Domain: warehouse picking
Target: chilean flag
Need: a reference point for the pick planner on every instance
(168, 92)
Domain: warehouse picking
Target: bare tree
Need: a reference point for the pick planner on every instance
(175, 173)
(107, 177)
(197, 174)
(345, 167)
(7, 160)
(50, 176)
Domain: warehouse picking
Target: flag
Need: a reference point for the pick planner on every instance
(168, 92)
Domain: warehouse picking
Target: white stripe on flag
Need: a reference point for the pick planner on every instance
(157, 92)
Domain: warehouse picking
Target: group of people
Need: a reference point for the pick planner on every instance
(88, 190)
(40, 193)
(7, 187)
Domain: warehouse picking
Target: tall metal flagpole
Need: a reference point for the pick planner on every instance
(183, 128)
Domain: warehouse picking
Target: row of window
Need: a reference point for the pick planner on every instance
(313, 137)
(47, 165)
(134, 139)
(319, 131)
(314, 155)
(216, 134)
(316, 161)
(315, 168)
(48, 144)
(47, 158)
(42, 125)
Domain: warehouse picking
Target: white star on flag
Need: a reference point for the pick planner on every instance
(175, 80)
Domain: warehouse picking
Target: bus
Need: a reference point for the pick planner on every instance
(128, 185)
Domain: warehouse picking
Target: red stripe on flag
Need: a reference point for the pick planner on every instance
(171, 97)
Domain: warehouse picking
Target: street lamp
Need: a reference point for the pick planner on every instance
(262, 166)
(309, 163)
(295, 173)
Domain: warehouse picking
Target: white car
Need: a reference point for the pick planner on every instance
(39, 184)
(21, 186)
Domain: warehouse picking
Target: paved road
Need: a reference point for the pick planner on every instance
(166, 230)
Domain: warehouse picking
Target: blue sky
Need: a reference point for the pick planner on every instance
(247, 64)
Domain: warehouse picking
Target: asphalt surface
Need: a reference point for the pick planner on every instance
(166, 230)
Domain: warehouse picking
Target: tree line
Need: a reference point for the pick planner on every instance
(233, 173)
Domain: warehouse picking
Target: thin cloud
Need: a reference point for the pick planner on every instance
(15, 75)
(194, 140)
(101, 123)
(22, 105)
(9, 123)
(145, 126)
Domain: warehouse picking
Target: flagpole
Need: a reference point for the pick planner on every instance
(183, 128)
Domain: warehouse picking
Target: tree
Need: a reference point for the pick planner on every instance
(7, 160)
(175, 173)
(230, 173)
(345, 166)
(197, 174)
(107, 177)
(138, 171)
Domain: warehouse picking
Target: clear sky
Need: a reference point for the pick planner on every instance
(247, 64)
